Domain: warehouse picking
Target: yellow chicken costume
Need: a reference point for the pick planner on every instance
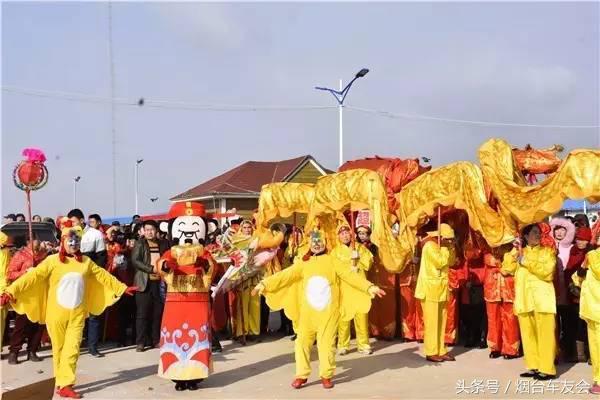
(317, 278)
(61, 292)
(343, 258)
(589, 310)
(535, 304)
(4, 259)
(432, 291)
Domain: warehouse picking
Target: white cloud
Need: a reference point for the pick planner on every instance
(208, 24)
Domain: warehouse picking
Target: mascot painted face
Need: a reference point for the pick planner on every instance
(187, 224)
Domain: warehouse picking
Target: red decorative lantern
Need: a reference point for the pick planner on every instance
(31, 173)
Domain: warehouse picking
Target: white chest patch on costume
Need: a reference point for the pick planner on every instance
(318, 292)
(69, 292)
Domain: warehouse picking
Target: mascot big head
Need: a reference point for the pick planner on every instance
(187, 224)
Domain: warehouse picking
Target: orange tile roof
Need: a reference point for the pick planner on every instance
(247, 178)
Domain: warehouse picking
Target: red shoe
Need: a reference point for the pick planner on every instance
(299, 382)
(68, 392)
(436, 359)
(327, 384)
(595, 389)
(447, 357)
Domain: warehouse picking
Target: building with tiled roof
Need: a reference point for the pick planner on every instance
(239, 187)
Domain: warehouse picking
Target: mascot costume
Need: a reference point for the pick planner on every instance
(314, 285)
(188, 269)
(61, 292)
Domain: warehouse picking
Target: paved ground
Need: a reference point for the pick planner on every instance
(265, 370)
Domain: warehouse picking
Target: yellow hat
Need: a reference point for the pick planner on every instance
(446, 232)
(342, 225)
(3, 239)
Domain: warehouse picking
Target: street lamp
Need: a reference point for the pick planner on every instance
(75, 181)
(137, 164)
(340, 96)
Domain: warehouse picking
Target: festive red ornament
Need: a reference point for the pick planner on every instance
(31, 173)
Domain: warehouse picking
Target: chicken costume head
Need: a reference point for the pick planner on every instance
(70, 237)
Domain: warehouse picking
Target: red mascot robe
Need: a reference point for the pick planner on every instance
(185, 335)
(499, 294)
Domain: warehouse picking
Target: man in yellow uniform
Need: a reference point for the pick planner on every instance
(247, 307)
(358, 260)
(294, 251)
(589, 310)
(533, 267)
(432, 291)
(4, 259)
(61, 292)
(317, 277)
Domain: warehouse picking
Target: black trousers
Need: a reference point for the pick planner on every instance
(568, 324)
(25, 330)
(149, 308)
(127, 309)
(95, 324)
(474, 317)
(264, 315)
(286, 324)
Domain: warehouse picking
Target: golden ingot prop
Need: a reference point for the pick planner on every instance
(187, 254)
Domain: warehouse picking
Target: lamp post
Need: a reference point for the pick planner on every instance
(137, 164)
(75, 182)
(340, 96)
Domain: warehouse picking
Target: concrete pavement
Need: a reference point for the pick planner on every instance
(265, 370)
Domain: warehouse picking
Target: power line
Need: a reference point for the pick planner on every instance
(156, 103)
(465, 121)
(169, 104)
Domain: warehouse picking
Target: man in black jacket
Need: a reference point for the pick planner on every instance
(144, 258)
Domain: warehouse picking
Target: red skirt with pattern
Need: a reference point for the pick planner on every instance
(185, 337)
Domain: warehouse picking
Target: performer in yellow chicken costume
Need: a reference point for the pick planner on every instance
(589, 310)
(358, 260)
(432, 291)
(535, 301)
(317, 276)
(61, 292)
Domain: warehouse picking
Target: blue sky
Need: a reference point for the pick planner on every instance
(531, 63)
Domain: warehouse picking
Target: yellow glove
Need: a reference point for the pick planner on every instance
(375, 291)
(258, 289)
